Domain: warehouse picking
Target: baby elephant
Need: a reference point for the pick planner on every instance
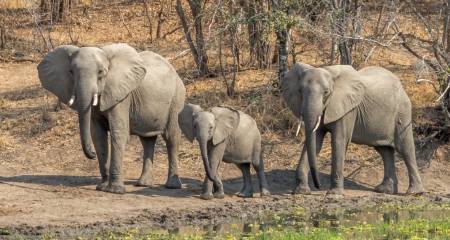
(229, 135)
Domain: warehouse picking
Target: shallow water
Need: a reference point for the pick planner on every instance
(304, 220)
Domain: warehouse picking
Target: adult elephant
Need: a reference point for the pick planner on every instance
(368, 107)
(116, 89)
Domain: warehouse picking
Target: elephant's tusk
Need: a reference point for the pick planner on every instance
(71, 101)
(299, 125)
(317, 124)
(95, 100)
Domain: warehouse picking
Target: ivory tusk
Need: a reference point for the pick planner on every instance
(71, 101)
(299, 125)
(317, 124)
(95, 100)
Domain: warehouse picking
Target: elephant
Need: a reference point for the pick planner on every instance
(229, 135)
(114, 88)
(367, 107)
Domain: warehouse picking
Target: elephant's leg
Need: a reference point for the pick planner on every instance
(301, 173)
(207, 189)
(218, 188)
(148, 144)
(405, 147)
(341, 134)
(247, 191)
(99, 136)
(172, 137)
(119, 127)
(258, 165)
(389, 184)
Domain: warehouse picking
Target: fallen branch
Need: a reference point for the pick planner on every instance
(171, 31)
(19, 60)
(430, 82)
(180, 55)
(424, 141)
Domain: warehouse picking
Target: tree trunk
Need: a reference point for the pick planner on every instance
(149, 18)
(54, 9)
(196, 9)
(2, 37)
(259, 46)
(199, 53)
(161, 20)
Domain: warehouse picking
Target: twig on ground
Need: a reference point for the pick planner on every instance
(19, 60)
(424, 141)
(179, 55)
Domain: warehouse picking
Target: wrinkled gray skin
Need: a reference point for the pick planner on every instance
(368, 107)
(229, 135)
(139, 94)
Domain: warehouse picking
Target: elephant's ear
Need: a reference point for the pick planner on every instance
(186, 120)
(227, 120)
(290, 85)
(125, 72)
(348, 92)
(54, 72)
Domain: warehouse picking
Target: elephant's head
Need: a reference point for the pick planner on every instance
(79, 76)
(320, 94)
(216, 126)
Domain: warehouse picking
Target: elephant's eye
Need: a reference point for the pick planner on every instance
(100, 71)
(71, 72)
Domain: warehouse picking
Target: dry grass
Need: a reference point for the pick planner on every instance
(13, 4)
(101, 24)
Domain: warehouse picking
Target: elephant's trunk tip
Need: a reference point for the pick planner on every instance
(315, 177)
(94, 103)
(71, 100)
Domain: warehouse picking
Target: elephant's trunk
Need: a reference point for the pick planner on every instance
(84, 100)
(312, 120)
(204, 151)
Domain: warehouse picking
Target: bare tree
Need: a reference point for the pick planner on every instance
(55, 9)
(199, 49)
(282, 18)
(256, 15)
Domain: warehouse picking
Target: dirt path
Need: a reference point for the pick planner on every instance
(48, 186)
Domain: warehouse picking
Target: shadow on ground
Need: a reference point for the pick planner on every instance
(280, 182)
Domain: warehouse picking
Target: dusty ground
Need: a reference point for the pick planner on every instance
(48, 186)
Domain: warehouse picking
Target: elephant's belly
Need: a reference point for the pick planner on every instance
(147, 125)
(237, 156)
(149, 110)
(373, 137)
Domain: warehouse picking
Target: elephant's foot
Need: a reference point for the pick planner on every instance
(336, 191)
(388, 186)
(115, 188)
(207, 196)
(103, 184)
(219, 194)
(302, 189)
(265, 192)
(173, 182)
(415, 189)
(245, 193)
(145, 181)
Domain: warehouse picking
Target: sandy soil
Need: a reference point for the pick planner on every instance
(48, 186)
